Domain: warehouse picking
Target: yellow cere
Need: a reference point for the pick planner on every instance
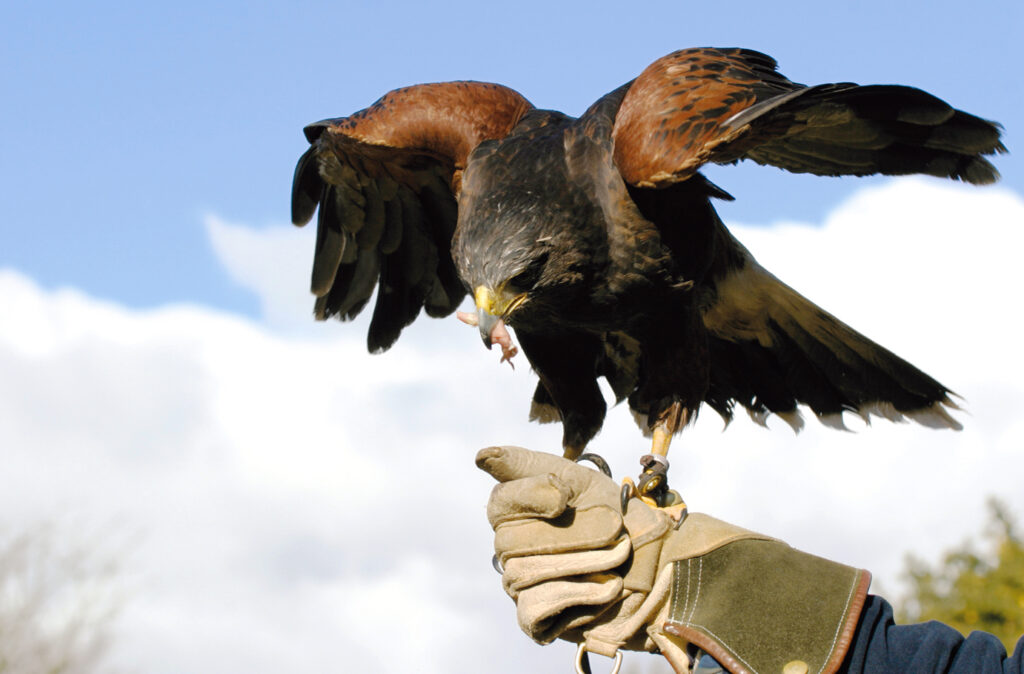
(484, 298)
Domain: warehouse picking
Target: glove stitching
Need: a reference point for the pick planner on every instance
(693, 609)
(678, 597)
(685, 596)
(696, 597)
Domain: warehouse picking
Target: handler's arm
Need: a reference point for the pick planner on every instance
(881, 645)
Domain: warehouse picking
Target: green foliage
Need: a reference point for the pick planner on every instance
(971, 591)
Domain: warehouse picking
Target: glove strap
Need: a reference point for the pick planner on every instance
(583, 664)
(761, 606)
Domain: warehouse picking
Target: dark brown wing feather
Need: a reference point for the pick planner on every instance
(772, 349)
(385, 181)
(709, 105)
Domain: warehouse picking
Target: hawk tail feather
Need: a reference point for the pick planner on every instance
(798, 354)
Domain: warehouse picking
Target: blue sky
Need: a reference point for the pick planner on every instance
(161, 379)
(125, 123)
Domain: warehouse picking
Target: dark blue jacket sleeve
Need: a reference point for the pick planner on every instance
(880, 645)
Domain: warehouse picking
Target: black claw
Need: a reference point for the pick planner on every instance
(682, 517)
(625, 494)
(598, 461)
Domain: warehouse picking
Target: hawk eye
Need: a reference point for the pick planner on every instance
(528, 277)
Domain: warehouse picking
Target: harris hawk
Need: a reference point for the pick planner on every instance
(596, 238)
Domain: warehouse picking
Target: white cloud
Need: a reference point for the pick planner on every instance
(283, 504)
(273, 262)
(303, 506)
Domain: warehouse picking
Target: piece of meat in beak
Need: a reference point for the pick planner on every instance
(492, 331)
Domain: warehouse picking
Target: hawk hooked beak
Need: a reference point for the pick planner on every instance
(491, 310)
(487, 322)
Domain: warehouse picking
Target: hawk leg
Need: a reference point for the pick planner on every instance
(653, 481)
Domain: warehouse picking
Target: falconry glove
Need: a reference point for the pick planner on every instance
(581, 569)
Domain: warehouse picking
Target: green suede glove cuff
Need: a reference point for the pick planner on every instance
(758, 605)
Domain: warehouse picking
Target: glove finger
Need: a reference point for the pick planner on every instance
(512, 463)
(523, 572)
(545, 610)
(538, 496)
(596, 527)
(589, 487)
